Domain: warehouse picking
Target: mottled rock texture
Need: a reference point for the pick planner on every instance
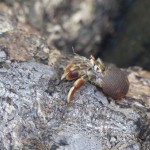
(35, 115)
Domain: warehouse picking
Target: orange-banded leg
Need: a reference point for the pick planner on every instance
(71, 72)
(77, 84)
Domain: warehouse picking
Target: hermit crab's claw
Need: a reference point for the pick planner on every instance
(70, 72)
(77, 68)
(77, 84)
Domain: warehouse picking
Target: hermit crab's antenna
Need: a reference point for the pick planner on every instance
(92, 59)
(73, 50)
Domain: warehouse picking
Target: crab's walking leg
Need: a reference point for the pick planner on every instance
(77, 84)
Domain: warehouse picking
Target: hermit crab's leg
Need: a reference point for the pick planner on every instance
(70, 72)
(74, 71)
(77, 84)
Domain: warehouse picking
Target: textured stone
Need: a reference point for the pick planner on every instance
(35, 115)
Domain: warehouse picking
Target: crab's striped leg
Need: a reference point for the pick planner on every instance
(77, 84)
(70, 72)
(73, 71)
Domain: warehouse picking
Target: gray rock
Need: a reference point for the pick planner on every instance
(2, 56)
(35, 115)
(6, 24)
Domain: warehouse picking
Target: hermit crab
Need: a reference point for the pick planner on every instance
(110, 79)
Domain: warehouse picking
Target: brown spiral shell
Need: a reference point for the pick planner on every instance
(115, 83)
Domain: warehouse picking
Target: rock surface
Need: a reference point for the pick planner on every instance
(34, 112)
(131, 46)
(35, 115)
(91, 27)
(77, 23)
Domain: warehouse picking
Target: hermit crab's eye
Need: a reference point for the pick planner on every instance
(95, 67)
